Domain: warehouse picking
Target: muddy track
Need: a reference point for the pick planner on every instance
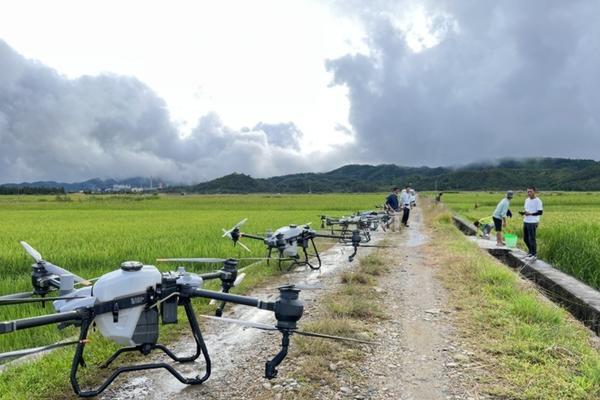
(418, 358)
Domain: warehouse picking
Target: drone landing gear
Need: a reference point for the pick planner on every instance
(308, 256)
(144, 349)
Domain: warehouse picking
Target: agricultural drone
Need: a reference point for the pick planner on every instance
(126, 305)
(363, 221)
(288, 240)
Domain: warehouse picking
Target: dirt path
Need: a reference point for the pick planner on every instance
(417, 358)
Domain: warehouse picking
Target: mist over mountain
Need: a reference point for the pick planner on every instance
(544, 173)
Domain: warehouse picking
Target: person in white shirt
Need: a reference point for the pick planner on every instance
(405, 205)
(531, 218)
(413, 198)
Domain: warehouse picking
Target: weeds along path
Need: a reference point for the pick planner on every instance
(417, 358)
(238, 355)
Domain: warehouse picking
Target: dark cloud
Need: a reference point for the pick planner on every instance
(115, 126)
(512, 78)
(282, 135)
(508, 78)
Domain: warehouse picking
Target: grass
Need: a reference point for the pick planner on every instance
(345, 313)
(531, 349)
(568, 234)
(92, 235)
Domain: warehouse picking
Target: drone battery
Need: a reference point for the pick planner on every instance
(146, 330)
(168, 311)
(168, 308)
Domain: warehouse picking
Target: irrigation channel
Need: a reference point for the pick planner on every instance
(580, 299)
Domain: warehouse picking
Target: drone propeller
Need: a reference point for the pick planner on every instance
(207, 260)
(239, 279)
(227, 233)
(234, 234)
(9, 301)
(266, 327)
(53, 269)
(33, 350)
(243, 245)
(21, 295)
(300, 286)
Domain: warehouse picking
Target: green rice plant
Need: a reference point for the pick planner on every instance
(568, 234)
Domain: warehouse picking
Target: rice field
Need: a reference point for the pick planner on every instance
(568, 234)
(92, 235)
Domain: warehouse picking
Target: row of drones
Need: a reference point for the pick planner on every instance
(126, 305)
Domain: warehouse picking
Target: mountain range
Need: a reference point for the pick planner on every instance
(544, 173)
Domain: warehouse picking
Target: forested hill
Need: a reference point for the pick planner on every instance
(545, 173)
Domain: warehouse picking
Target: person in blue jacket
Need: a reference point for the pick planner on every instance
(392, 206)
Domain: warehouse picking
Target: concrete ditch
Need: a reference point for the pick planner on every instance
(581, 300)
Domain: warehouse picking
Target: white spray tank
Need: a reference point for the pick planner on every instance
(132, 279)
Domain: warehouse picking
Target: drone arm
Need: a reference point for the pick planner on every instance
(232, 298)
(25, 323)
(210, 275)
(330, 236)
(249, 236)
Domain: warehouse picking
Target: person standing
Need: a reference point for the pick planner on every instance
(499, 216)
(392, 207)
(531, 219)
(405, 205)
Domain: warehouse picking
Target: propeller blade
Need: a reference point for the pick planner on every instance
(239, 279)
(21, 295)
(193, 260)
(5, 302)
(236, 226)
(55, 269)
(301, 286)
(244, 246)
(208, 260)
(31, 251)
(24, 352)
(248, 324)
(320, 335)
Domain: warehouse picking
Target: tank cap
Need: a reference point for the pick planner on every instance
(131, 266)
(293, 226)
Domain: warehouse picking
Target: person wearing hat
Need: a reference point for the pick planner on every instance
(499, 216)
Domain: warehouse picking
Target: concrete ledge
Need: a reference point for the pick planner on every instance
(580, 299)
(466, 227)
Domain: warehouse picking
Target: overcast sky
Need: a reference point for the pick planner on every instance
(189, 90)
